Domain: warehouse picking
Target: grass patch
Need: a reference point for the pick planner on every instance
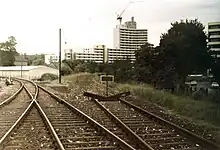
(80, 79)
(201, 112)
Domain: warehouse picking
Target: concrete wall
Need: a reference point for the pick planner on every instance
(16, 73)
(38, 72)
(35, 73)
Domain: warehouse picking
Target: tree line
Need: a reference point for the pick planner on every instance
(8, 52)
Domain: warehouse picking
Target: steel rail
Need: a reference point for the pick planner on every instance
(91, 121)
(8, 100)
(140, 142)
(49, 125)
(34, 84)
(24, 114)
(43, 115)
(204, 142)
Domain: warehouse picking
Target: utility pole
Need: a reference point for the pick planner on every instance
(60, 55)
(21, 64)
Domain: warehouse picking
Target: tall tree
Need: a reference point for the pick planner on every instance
(8, 52)
(184, 48)
(146, 63)
(122, 70)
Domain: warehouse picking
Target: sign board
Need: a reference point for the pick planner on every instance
(109, 78)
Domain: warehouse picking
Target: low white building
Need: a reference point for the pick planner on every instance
(28, 72)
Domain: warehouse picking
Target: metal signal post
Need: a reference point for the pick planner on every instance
(59, 55)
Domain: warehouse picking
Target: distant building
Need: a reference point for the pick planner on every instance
(119, 54)
(198, 82)
(128, 39)
(68, 54)
(100, 54)
(20, 61)
(214, 38)
(97, 54)
(51, 58)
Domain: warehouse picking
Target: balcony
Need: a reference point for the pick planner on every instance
(213, 30)
(214, 49)
(214, 36)
(214, 43)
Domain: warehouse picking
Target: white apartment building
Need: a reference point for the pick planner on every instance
(214, 38)
(50, 58)
(128, 38)
(100, 53)
(97, 54)
(119, 54)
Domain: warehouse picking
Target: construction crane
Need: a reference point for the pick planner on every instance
(119, 17)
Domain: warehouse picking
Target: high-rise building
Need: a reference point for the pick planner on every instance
(127, 36)
(214, 38)
(128, 39)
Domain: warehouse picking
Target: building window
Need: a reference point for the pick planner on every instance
(214, 27)
(215, 46)
(215, 40)
(214, 33)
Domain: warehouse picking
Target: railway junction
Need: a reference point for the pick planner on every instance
(33, 117)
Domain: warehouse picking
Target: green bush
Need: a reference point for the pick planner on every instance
(65, 70)
(49, 76)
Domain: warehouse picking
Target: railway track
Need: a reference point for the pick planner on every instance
(75, 129)
(12, 108)
(52, 123)
(24, 128)
(150, 131)
(32, 88)
(35, 118)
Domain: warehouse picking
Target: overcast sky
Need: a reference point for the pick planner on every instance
(85, 23)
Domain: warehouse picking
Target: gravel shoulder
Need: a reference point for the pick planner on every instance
(7, 91)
